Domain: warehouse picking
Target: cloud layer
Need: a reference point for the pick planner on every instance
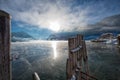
(70, 15)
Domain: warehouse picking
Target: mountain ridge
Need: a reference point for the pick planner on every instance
(20, 36)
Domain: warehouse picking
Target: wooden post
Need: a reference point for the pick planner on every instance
(5, 67)
(79, 42)
(77, 62)
(85, 58)
(74, 54)
(69, 66)
(118, 37)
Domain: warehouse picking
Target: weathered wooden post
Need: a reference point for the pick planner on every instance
(118, 38)
(69, 64)
(80, 54)
(85, 59)
(77, 62)
(5, 67)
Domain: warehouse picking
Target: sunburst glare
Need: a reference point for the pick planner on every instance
(55, 26)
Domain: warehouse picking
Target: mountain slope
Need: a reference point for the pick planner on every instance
(20, 36)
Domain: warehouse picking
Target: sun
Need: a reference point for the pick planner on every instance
(54, 26)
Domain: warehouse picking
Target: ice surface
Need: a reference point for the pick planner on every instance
(103, 59)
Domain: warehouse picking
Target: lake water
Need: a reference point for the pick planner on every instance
(48, 59)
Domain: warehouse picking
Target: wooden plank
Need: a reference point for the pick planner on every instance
(89, 75)
(79, 42)
(80, 53)
(85, 58)
(75, 41)
(70, 44)
(84, 52)
(74, 55)
(68, 72)
(5, 67)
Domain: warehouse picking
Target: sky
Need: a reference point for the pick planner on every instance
(40, 18)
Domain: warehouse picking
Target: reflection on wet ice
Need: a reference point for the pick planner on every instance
(54, 46)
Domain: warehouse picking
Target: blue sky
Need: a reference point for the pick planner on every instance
(40, 17)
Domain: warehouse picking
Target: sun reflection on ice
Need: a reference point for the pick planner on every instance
(54, 46)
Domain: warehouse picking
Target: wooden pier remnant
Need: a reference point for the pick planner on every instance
(118, 38)
(5, 67)
(77, 62)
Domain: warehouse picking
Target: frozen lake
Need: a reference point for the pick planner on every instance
(48, 59)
